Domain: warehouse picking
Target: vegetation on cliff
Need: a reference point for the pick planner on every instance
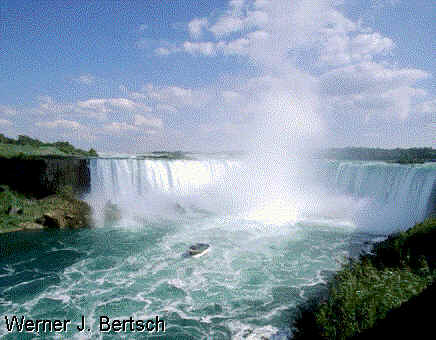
(63, 210)
(367, 290)
(404, 156)
(27, 147)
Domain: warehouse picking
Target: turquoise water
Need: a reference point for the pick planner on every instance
(272, 247)
(248, 284)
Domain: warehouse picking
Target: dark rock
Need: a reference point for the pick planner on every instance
(45, 176)
(67, 214)
(31, 226)
(54, 219)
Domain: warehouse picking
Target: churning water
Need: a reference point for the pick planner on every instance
(268, 253)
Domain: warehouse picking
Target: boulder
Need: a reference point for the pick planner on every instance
(31, 226)
(54, 219)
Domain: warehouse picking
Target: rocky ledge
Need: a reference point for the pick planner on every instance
(59, 211)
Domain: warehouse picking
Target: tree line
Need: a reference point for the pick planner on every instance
(63, 146)
(411, 155)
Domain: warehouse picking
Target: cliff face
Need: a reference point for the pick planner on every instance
(43, 177)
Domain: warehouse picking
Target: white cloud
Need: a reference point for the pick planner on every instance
(163, 51)
(368, 77)
(236, 5)
(8, 110)
(205, 48)
(99, 108)
(196, 27)
(166, 108)
(173, 96)
(60, 124)
(143, 27)
(119, 128)
(370, 44)
(47, 105)
(351, 86)
(428, 107)
(231, 96)
(167, 48)
(148, 122)
(5, 122)
(231, 23)
(351, 81)
(239, 46)
(86, 79)
(226, 25)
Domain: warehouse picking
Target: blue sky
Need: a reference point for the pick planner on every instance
(137, 76)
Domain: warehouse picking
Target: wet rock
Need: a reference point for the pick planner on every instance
(54, 219)
(68, 214)
(31, 226)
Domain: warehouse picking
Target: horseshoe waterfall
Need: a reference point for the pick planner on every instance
(268, 253)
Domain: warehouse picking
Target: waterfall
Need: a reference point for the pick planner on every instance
(398, 196)
(119, 177)
(389, 197)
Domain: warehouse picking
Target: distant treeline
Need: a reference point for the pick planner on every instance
(64, 147)
(412, 155)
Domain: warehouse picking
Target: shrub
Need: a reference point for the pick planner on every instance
(66, 192)
(365, 290)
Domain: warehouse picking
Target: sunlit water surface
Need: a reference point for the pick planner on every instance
(247, 285)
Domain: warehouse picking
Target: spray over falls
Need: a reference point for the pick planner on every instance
(375, 197)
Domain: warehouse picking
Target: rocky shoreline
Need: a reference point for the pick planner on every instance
(58, 211)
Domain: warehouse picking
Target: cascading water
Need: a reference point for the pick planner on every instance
(395, 196)
(116, 177)
(386, 197)
(257, 270)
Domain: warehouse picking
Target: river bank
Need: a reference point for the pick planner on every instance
(367, 295)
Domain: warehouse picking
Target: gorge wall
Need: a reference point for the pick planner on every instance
(45, 176)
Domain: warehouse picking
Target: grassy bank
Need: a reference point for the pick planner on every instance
(365, 292)
(402, 156)
(25, 146)
(19, 212)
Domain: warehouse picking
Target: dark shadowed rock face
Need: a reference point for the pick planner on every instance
(45, 176)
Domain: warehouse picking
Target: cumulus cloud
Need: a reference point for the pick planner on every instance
(316, 70)
(196, 27)
(368, 77)
(370, 89)
(234, 21)
(109, 105)
(206, 48)
(170, 98)
(349, 68)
